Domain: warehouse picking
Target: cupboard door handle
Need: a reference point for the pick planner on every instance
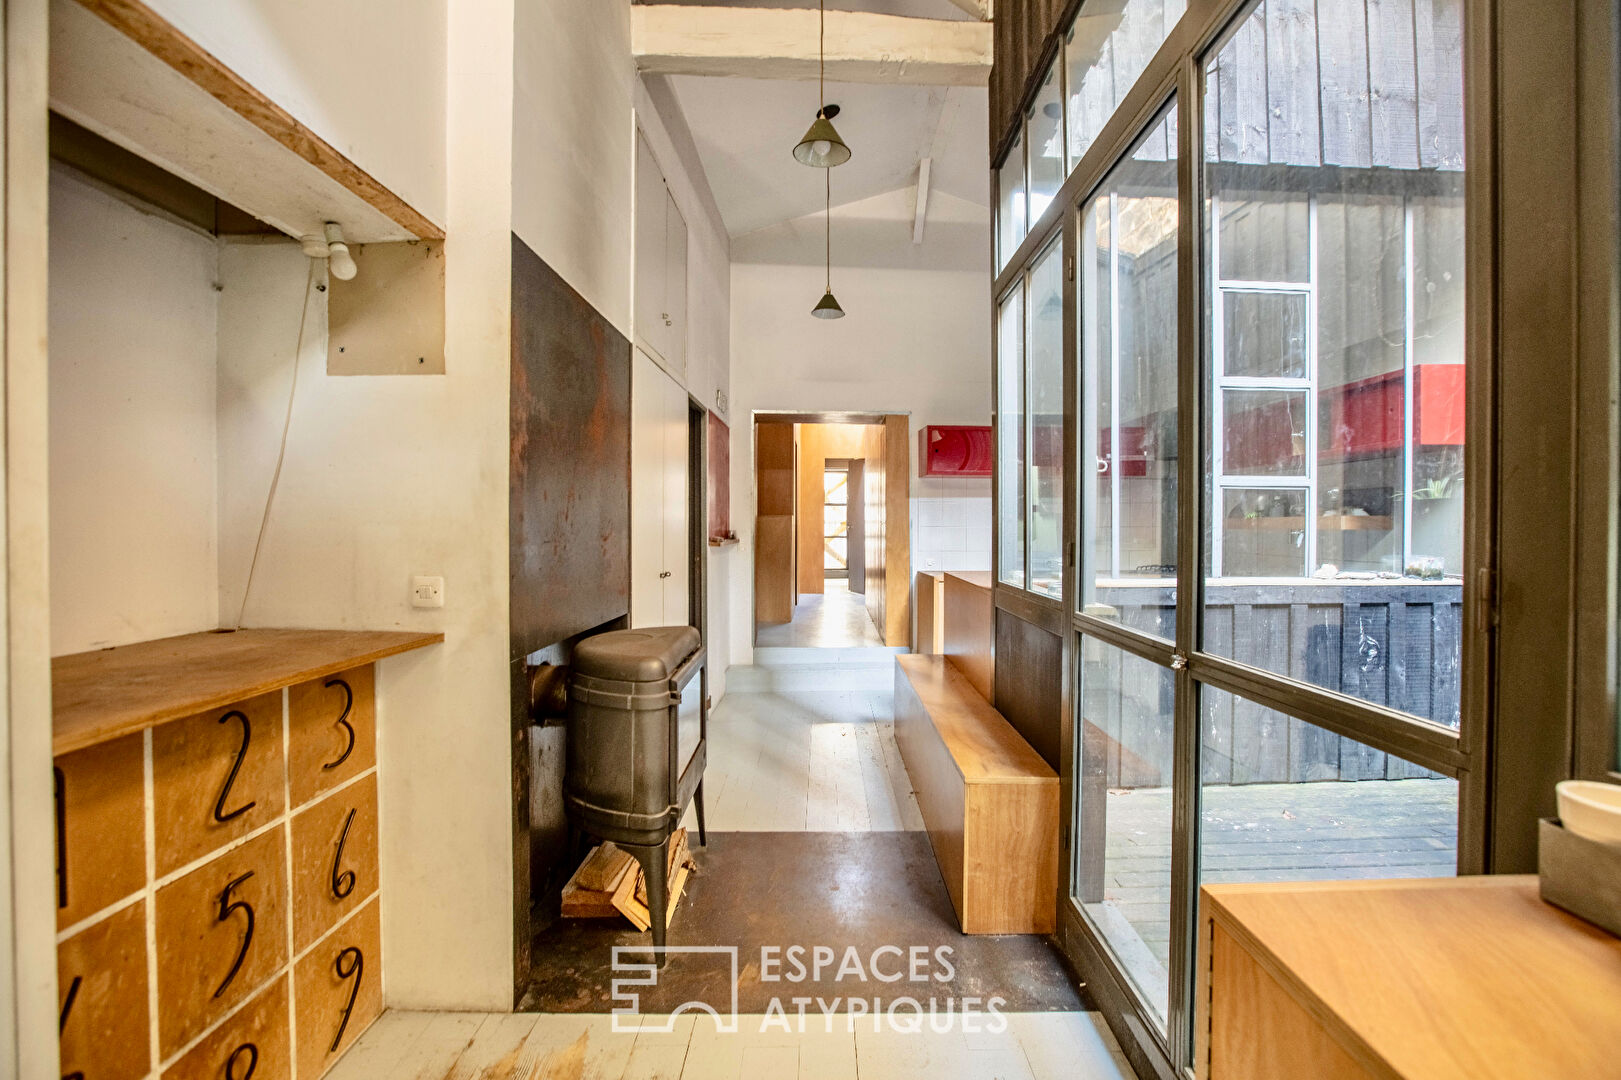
(227, 907)
(253, 1062)
(665, 574)
(61, 786)
(343, 884)
(343, 719)
(357, 971)
(242, 752)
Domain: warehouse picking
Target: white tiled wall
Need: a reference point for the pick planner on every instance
(951, 533)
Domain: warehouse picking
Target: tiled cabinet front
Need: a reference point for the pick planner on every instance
(217, 890)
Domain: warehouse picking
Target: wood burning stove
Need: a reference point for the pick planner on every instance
(637, 727)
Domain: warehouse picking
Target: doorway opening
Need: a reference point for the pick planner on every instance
(832, 546)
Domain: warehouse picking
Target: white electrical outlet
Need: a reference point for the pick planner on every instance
(427, 592)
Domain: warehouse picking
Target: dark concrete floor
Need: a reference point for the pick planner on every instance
(839, 890)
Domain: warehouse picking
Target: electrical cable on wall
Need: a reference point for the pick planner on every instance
(281, 452)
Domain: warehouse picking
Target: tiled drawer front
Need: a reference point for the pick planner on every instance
(221, 932)
(101, 975)
(100, 828)
(334, 859)
(256, 1043)
(242, 844)
(217, 777)
(333, 732)
(339, 989)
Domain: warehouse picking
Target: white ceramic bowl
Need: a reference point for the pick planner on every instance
(1590, 809)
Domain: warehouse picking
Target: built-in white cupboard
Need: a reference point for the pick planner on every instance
(661, 267)
(659, 535)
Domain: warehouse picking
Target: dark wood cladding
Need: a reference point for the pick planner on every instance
(1026, 32)
(570, 463)
(1030, 683)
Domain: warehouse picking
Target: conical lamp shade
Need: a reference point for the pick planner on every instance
(821, 148)
(827, 308)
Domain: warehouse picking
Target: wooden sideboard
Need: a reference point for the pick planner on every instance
(217, 875)
(1454, 979)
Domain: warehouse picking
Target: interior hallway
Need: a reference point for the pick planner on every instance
(835, 618)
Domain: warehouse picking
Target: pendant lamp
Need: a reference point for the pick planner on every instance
(828, 307)
(821, 148)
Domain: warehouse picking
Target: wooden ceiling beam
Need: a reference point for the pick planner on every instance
(781, 43)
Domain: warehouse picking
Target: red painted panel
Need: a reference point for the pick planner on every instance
(954, 450)
(1365, 417)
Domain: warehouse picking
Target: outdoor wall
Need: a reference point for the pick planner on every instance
(915, 339)
(386, 477)
(367, 78)
(132, 337)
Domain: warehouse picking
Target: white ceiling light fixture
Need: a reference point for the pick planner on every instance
(332, 247)
(821, 148)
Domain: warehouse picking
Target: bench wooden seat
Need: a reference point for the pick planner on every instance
(989, 802)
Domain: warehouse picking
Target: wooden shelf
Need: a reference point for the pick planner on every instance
(101, 695)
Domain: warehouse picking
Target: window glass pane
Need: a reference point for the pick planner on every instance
(834, 521)
(1122, 866)
(1264, 334)
(1263, 432)
(1011, 220)
(1104, 53)
(1128, 386)
(1010, 438)
(1285, 800)
(1329, 181)
(1264, 237)
(835, 554)
(836, 487)
(1044, 127)
(1046, 484)
(1263, 533)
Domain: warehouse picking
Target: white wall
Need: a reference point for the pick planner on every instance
(368, 78)
(389, 476)
(132, 339)
(573, 146)
(915, 338)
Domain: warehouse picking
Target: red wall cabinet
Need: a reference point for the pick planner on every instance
(954, 450)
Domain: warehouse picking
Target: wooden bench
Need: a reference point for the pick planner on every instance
(989, 802)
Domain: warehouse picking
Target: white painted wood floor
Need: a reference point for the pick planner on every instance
(530, 1046)
(805, 741)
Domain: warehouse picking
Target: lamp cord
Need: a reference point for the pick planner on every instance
(829, 216)
(821, 61)
(281, 453)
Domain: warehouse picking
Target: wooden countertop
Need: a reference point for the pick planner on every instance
(980, 579)
(1445, 979)
(101, 695)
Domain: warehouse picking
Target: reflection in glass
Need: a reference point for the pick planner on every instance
(1264, 334)
(1012, 220)
(1046, 366)
(1127, 389)
(1044, 129)
(1334, 271)
(1104, 53)
(1125, 746)
(1285, 800)
(1010, 494)
(1263, 432)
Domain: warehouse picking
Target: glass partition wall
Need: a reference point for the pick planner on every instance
(1265, 237)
